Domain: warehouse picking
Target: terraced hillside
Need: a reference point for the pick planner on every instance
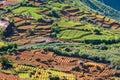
(38, 22)
(95, 5)
(82, 26)
(59, 40)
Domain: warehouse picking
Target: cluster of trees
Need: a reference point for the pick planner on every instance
(54, 77)
(55, 13)
(101, 41)
(8, 47)
(24, 3)
(55, 30)
(5, 63)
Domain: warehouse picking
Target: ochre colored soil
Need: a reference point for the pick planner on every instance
(82, 68)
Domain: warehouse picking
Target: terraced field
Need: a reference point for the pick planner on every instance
(88, 27)
(66, 24)
(29, 11)
(27, 23)
(31, 22)
(52, 64)
(72, 34)
(41, 73)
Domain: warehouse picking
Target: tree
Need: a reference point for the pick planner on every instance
(53, 35)
(55, 28)
(53, 77)
(38, 59)
(55, 13)
(116, 63)
(97, 32)
(23, 2)
(64, 79)
(5, 63)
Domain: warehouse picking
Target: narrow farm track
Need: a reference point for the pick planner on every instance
(44, 44)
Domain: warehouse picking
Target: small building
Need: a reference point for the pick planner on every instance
(7, 27)
(5, 3)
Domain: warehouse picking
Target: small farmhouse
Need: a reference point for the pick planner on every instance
(7, 27)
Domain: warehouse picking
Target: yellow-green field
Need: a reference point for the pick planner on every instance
(41, 74)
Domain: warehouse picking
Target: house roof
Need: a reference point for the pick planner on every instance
(4, 24)
(5, 3)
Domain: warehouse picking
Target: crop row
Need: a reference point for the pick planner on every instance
(40, 74)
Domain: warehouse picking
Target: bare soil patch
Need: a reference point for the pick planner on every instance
(82, 68)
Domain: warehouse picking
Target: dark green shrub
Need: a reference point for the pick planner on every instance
(55, 13)
(116, 63)
(100, 47)
(55, 28)
(8, 47)
(53, 35)
(5, 63)
(53, 77)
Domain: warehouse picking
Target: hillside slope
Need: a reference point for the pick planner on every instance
(101, 7)
(78, 4)
(95, 5)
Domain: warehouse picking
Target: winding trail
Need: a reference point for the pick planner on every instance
(44, 44)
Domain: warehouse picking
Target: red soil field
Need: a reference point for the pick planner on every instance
(8, 77)
(83, 69)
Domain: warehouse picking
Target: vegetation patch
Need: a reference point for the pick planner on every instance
(72, 34)
(36, 73)
(66, 23)
(29, 11)
(4, 46)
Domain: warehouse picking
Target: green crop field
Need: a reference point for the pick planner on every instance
(83, 31)
(66, 23)
(96, 37)
(30, 11)
(57, 6)
(71, 34)
(77, 35)
(1, 44)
